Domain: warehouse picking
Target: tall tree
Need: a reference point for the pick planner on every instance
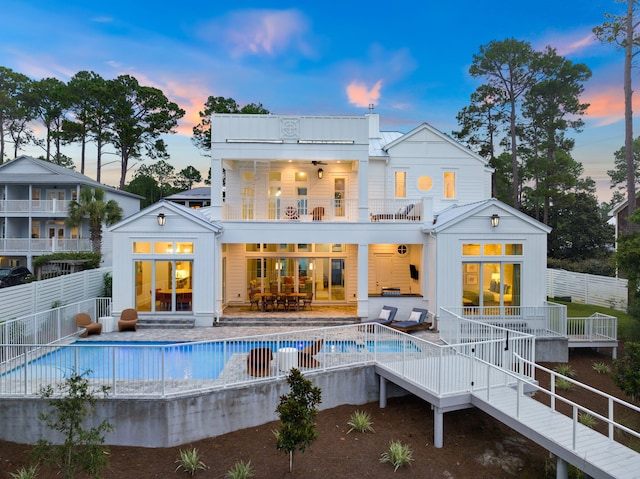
(92, 205)
(202, 131)
(91, 103)
(552, 106)
(186, 178)
(618, 175)
(14, 114)
(50, 99)
(141, 114)
(508, 68)
(621, 30)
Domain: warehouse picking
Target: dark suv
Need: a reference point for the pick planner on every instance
(13, 276)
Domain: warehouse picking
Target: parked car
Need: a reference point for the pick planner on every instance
(13, 276)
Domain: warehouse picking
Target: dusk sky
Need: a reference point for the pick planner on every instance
(409, 58)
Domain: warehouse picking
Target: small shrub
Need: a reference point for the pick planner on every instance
(565, 370)
(563, 384)
(190, 461)
(398, 455)
(360, 421)
(601, 368)
(587, 419)
(240, 470)
(30, 473)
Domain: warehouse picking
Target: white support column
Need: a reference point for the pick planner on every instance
(562, 469)
(216, 187)
(383, 393)
(438, 427)
(363, 281)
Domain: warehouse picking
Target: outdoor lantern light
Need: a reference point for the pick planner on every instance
(495, 220)
(320, 173)
(161, 219)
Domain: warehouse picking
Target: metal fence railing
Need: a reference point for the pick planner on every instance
(47, 327)
(596, 327)
(161, 370)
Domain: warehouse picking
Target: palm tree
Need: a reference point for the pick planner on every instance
(91, 205)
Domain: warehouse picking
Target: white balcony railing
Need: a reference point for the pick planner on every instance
(319, 209)
(290, 209)
(43, 245)
(39, 207)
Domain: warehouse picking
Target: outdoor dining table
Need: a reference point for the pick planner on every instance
(295, 296)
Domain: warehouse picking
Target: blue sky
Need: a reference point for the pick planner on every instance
(409, 58)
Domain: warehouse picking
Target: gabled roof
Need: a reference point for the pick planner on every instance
(198, 193)
(441, 136)
(169, 207)
(377, 145)
(26, 170)
(455, 214)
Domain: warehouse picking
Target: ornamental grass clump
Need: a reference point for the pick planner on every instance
(563, 384)
(601, 368)
(566, 370)
(360, 421)
(398, 455)
(587, 419)
(190, 461)
(25, 473)
(240, 470)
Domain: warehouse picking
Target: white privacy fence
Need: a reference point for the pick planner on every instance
(163, 370)
(587, 288)
(24, 299)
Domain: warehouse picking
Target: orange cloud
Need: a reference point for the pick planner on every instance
(607, 105)
(360, 96)
(569, 45)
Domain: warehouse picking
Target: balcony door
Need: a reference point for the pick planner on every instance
(339, 195)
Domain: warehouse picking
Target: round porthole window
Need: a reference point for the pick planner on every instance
(402, 249)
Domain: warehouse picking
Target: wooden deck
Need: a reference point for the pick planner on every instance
(588, 450)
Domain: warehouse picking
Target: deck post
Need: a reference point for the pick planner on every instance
(438, 427)
(383, 393)
(562, 470)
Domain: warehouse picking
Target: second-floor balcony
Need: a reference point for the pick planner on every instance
(34, 207)
(320, 209)
(43, 245)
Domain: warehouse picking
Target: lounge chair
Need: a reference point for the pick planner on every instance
(128, 320)
(415, 321)
(83, 320)
(259, 362)
(386, 316)
(401, 214)
(306, 356)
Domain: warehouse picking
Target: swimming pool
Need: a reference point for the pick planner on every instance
(170, 361)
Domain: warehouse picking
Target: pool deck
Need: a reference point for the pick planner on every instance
(218, 332)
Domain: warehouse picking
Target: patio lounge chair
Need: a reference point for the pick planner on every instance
(401, 214)
(128, 320)
(386, 316)
(83, 320)
(259, 362)
(415, 321)
(306, 356)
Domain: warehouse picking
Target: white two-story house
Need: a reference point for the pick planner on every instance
(335, 207)
(34, 199)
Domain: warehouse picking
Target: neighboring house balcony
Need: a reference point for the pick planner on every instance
(43, 245)
(34, 207)
(321, 209)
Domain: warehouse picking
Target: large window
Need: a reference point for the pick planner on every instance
(490, 279)
(163, 284)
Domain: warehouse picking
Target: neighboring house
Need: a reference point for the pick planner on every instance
(334, 207)
(194, 198)
(620, 217)
(34, 198)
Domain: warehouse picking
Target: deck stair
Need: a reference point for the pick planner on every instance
(597, 455)
(166, 323)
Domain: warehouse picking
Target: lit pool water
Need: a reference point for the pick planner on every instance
(146, 360)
